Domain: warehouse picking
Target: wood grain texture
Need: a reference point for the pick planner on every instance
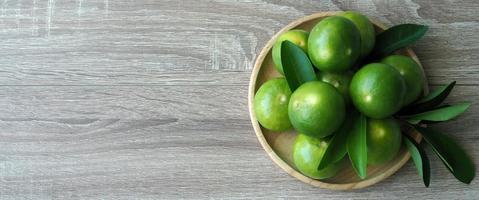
(147, 99)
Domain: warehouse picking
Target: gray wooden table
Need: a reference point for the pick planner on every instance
(145, 99)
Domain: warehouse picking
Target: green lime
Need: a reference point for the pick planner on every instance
(316, 109)
(383, 140)
(271, 104)
(412, 74)
(334, 44)
(366, 30)
(340, 81)
(377, 90)
(308, 152)
(298, 37)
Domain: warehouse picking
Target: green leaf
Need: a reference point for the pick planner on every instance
(296, 65)
(397, 37)
(357, 147)
(430, 101)
(413, 121)
(441, 114)
(450, 153)
(438, 95)
(337, 146)
(420, 159)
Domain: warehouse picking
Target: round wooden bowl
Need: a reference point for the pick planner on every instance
(279, 145)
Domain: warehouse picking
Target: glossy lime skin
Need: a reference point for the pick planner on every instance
(377, 90)
(412, 74)
(338, 80)
(334, 44)
(383, 140)
(366, 30)
(307, 153)
(296, 36)
(316, 109)
(271, 104)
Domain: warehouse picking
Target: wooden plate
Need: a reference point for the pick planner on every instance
(279, 145)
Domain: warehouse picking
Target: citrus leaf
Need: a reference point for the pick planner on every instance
(296, 65)
(413, 121)
(451, 154)
(357, 147)
(337, 146)
(441, 114)
(397, 37)
(420, 159)
(438, 95)
(430, 101)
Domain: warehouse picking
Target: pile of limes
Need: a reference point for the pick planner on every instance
(337, 47)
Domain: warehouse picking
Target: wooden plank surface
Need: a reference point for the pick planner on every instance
(145, 99)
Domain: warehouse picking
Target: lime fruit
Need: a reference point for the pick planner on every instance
(271, 104)
(334, 44)
(383, 140)
(412, 74)
(308, 152)
(316, 109)
(338, 80)
(298, 37)
(377, 90)
(366, 30)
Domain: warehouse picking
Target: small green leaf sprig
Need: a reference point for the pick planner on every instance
(430, 110)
